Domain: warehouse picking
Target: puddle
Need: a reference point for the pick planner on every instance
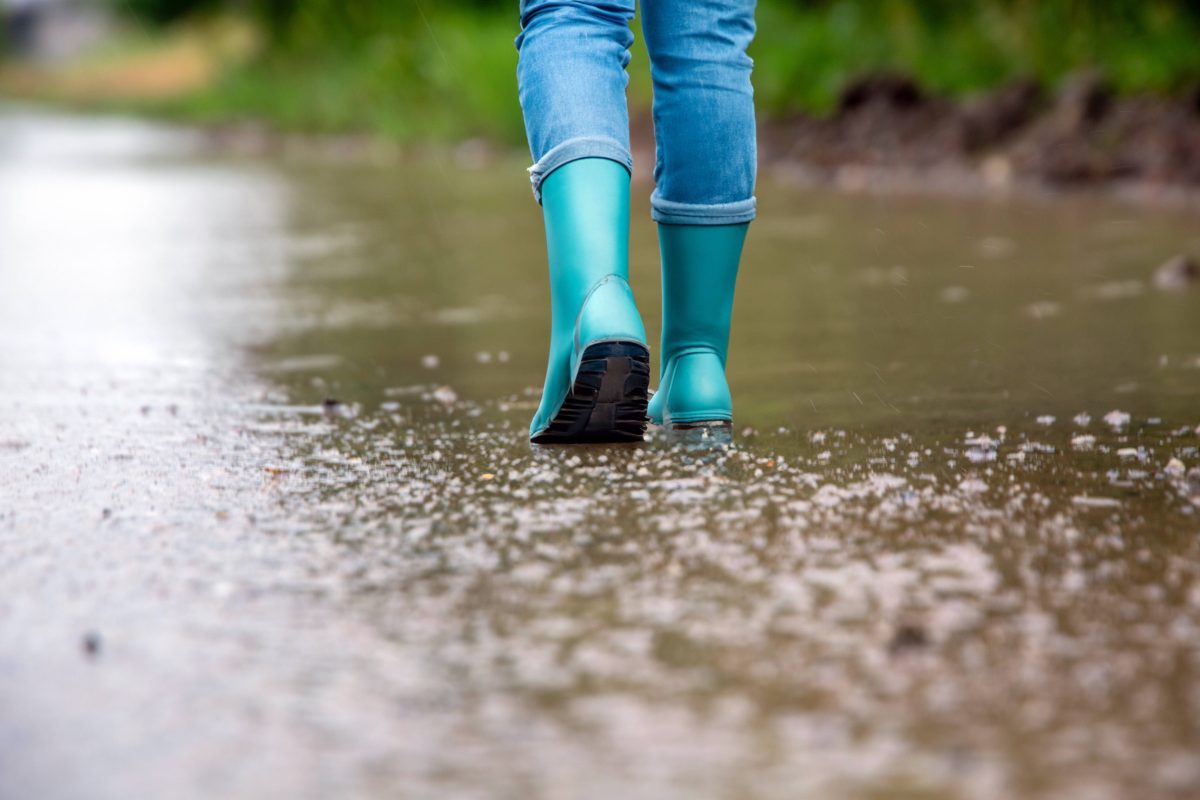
(263, 534)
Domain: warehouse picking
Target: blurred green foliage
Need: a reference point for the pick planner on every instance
(805, 52)
(396, 68)
(420, 68)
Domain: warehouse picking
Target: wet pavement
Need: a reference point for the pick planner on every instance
(269, 525)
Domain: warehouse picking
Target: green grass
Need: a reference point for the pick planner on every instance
(420, 70)
(449, 76)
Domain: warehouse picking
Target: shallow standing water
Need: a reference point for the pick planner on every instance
(951, 554)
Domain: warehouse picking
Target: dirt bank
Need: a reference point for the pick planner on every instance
(1083, 134)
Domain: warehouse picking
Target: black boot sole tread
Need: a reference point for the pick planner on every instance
(607, 402)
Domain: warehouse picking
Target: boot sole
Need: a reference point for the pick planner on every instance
(607, 402)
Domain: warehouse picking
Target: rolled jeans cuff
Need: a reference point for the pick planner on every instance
(673, 213)
(573, 150)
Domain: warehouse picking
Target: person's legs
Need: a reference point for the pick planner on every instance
(703, 201)
(571, 74)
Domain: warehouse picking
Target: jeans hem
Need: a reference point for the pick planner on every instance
(573, 150)
(672, 213)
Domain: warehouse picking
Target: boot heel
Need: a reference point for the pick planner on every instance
(607, 401)
(696, 392)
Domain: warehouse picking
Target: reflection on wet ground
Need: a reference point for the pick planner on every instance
(270, 525)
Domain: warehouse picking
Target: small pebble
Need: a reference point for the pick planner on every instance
(908, 638)
(333, 408)
(1175, 468)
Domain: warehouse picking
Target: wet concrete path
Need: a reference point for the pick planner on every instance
(268, 525)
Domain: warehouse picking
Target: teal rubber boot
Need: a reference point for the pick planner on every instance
(598, 373)
(699, 271)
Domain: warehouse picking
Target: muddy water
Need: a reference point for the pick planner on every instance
(269, 525)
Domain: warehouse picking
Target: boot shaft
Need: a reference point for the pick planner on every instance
(699, 274)
(585, 207)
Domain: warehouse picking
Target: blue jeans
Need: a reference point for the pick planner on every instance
(571, 74)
